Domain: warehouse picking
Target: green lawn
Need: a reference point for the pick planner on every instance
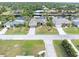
(72, 30)
(20, 47)
(1, 28)
(76, 43)
(18, 30)
(59, 49)
(45, 30)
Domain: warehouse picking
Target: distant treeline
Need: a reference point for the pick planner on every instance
(37, 5)
(29, 7)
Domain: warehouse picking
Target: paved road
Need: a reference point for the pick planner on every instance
(38, 37)
(32, 37)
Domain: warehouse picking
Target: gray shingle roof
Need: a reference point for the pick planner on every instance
(76, 21)
(17, 21)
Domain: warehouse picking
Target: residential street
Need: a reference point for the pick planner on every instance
(38, 37)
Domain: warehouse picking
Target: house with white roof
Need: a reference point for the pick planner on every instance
(38, 18)
(75, 22)
(38, 12)
(60, 20)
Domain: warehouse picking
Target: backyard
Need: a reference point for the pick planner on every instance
(10, 48)
(45, 30)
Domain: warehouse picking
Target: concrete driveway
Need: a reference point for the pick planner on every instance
(50, 50)
(31, 31)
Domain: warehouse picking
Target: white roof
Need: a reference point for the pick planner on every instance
(14, 22)
(33, 22)
(39, 11)
(40, 19)
(76, 20)
(61, 20)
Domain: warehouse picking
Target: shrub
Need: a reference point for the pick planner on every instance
(68, 48)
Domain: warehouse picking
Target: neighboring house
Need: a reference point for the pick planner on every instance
(76, 22)
(7, 24)
(38, 12)
(40, 19)
(60, 20)
(33, 23)
(37, 19)
(53, 10)
(17, 21)
(39, 16)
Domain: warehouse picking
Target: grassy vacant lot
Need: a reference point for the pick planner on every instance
(59, 49)
(20, 47)
(18, 30)
(45, 30)
(72, 30)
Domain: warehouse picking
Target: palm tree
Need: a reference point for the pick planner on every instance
(48, 18)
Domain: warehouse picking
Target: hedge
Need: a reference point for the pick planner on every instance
(69, 49)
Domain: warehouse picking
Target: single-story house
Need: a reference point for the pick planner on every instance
(17, 21)
(7, 24)
(33, 23)
(40, 19)
(60, 21)
(37, 19)
(76, 22)
(38, 12)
